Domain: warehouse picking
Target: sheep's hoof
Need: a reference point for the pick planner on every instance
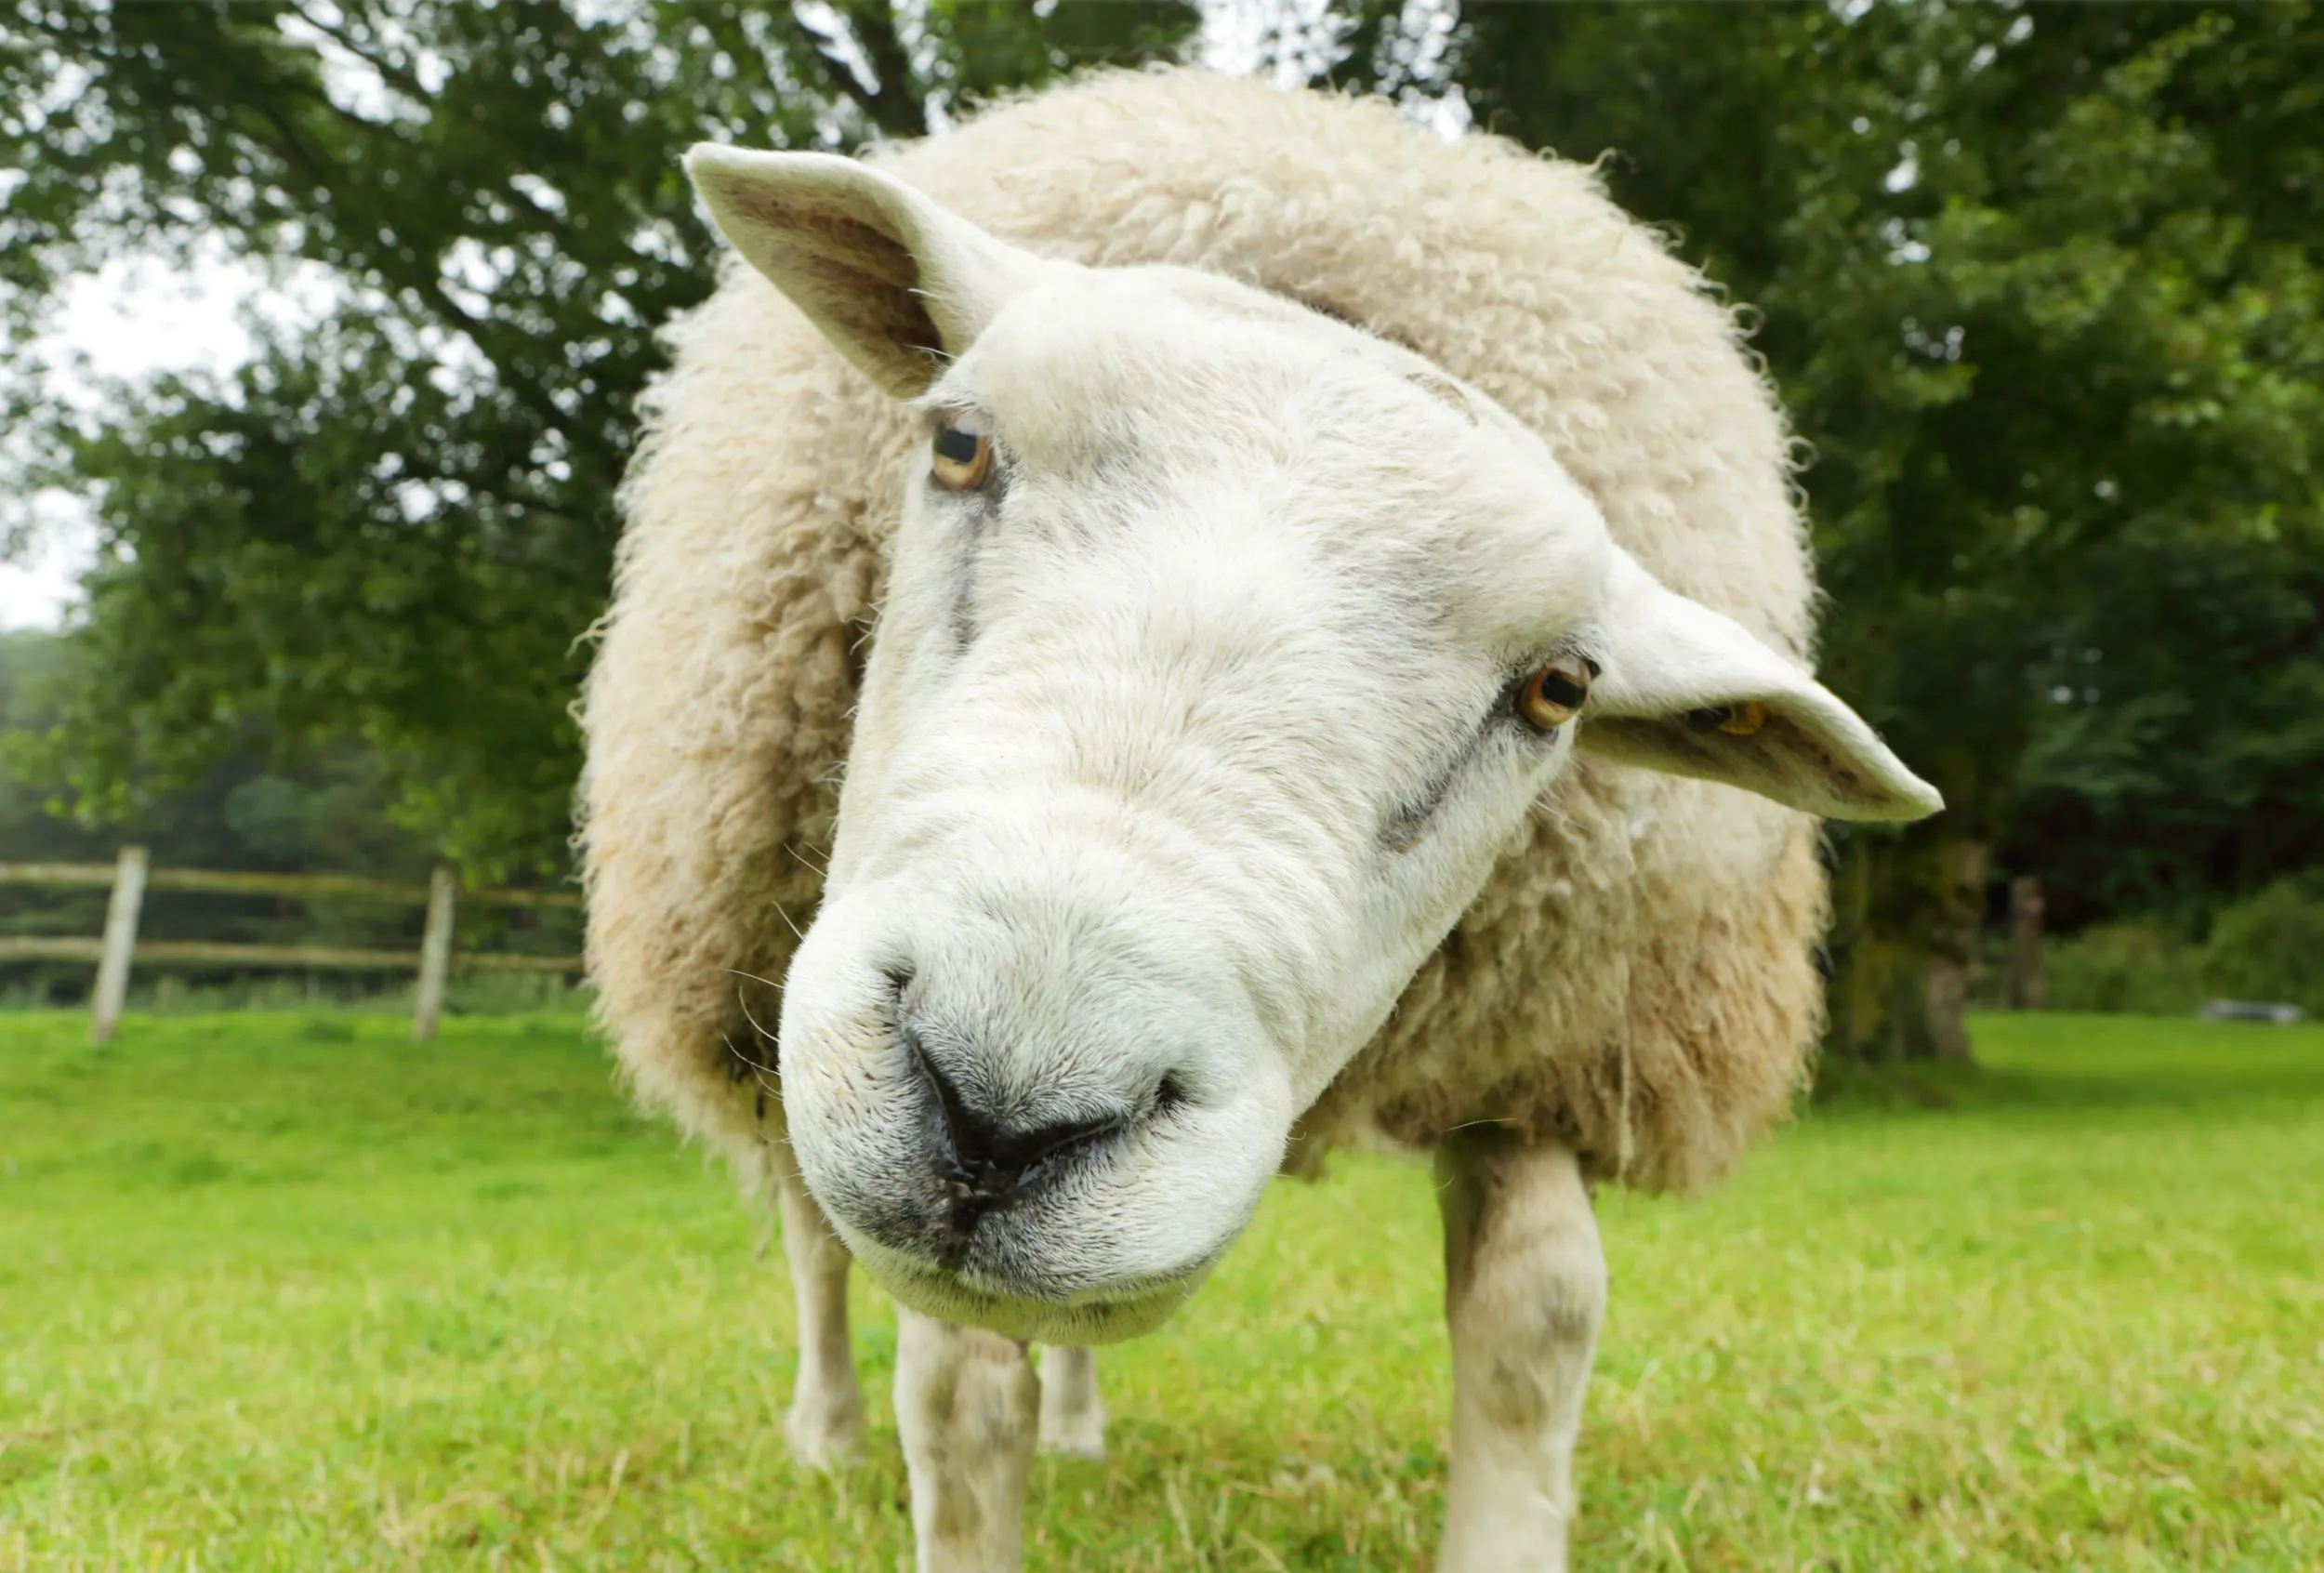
(825, 1433)
(1073, 1415)
(1078, 1435)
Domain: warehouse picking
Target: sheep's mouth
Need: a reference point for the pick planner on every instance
(1106, 1316)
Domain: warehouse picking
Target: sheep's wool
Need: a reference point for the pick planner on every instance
(1636, 978)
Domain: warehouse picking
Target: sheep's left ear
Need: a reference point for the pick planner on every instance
(1682, 688)
(897, 282)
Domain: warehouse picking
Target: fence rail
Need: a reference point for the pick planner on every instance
(101, 876)
(203, 953)
(129, 877)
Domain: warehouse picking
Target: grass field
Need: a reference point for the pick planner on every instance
(292, 1293)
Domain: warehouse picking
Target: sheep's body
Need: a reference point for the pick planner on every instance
(1635, 982)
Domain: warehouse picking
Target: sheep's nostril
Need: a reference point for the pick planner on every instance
(1169, 1096)
(969, 1134)
(983, 1159)
(1025, 1149)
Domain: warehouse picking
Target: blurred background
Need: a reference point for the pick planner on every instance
(324, 323)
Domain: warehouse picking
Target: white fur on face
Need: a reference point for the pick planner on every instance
(1182, 742)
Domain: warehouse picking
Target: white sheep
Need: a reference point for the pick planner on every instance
(1280, 538)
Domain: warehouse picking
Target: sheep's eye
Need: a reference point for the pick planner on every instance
(1552, 695)
(961, 460)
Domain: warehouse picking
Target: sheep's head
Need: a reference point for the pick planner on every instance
(1224, 648)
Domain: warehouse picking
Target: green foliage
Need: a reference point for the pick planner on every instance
(2195, 768)
(2045, 295)
(395, 525)
(327, 814)
(2268, 947)
(2271, 948)
(2134, 967)
(272, 818)
(278, 1294)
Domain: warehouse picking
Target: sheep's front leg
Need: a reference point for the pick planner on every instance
(1073, 1418)
(968, 1406)
(826, 1421)
(1524, 1289)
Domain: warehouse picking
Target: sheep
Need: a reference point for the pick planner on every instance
(1186, 624)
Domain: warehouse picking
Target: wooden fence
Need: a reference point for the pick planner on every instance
(129, 877)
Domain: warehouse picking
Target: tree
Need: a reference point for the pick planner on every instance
(396, 524)
(2039, 292)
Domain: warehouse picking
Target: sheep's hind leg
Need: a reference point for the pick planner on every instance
(826, 1421)
(1073, 1418)
(1525, 1290)
(968, 1406)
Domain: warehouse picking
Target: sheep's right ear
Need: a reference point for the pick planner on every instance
(1685, 690)
(897, 283)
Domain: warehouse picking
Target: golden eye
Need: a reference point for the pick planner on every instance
(1552, 695)
(961, 461)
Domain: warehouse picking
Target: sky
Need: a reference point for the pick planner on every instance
(128, 319)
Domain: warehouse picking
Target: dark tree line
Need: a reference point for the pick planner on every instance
(2041, 286)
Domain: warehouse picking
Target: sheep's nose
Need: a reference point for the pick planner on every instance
(983, 1159)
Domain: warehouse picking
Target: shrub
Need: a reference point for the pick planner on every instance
(2134, 968)
(2271, 946)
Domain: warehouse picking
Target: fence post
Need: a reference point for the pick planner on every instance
(121, 943)
(435, 954)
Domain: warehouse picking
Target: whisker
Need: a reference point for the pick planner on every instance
(756, 1070)
(738, 972)
(741, 1000)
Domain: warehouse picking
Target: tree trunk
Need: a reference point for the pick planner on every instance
(2025, 944)
(1906, 912)
(1958, 891)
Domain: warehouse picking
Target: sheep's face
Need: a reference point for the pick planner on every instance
(1188, 730)
(1225, 647)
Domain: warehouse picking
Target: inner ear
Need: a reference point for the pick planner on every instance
(895, 281)
(1787, 757)
(1690, 691)
(867, 283)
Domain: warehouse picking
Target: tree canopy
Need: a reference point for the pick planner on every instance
(397, 522)
(2041, 288)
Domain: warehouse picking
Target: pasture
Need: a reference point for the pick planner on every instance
(292, 1292)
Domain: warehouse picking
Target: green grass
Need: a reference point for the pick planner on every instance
(295, 1293)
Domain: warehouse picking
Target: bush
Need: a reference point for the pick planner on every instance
(2134, 968)
(2271, 948)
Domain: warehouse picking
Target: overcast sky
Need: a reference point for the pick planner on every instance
(129, 320)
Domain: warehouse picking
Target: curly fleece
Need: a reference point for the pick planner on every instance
(1636, 980)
